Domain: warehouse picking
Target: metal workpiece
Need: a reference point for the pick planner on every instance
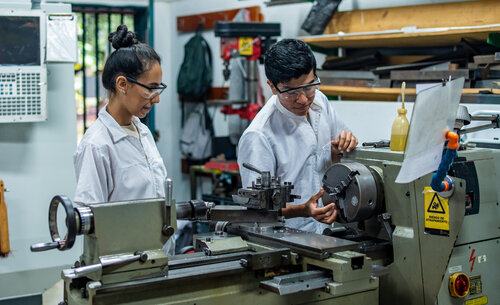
(356, 189)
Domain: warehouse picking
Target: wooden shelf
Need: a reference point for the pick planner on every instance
(383, 94)
(439, 24)
(417, 39)
(191, 22)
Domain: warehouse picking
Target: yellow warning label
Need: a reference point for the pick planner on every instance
(437, 213)
(245, 46)
(477, 301)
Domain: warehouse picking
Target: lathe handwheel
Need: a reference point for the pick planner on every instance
(68, 240)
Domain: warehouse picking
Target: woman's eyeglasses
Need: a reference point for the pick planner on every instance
(152, 91)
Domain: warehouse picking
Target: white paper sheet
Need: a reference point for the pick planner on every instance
(61, 38)
(434, 113)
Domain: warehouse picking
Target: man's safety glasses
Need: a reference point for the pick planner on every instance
(293, 94)
(152, 91)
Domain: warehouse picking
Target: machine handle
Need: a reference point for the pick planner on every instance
(44, 246)
(252, 168)
(67, 241)
(85, 270)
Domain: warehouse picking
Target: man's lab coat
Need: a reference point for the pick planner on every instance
(289, 146)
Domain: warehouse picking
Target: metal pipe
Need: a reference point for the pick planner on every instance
(84, 80)
(96, 35)
(252, 81)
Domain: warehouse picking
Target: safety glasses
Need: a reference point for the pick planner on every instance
(292, 94)
(152, 91)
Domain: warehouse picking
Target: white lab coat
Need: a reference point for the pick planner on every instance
(289, 146)
(111, 165)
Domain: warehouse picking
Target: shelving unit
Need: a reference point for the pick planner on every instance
(432, 25)
(385, 94)
(404, 38)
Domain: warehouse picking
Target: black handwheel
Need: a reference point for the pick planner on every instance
(68, 240)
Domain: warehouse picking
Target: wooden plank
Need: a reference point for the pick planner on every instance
(418, 39)
(190, 23)
(365, 94)
(392, 60)
(454, 14)
(384, 94)
(406, 75)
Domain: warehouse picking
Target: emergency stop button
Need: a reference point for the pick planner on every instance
(459, 285)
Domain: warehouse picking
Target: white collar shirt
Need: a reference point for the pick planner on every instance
(292, 147)
(112, 165)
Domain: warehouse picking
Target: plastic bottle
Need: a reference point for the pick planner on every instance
(400, 127)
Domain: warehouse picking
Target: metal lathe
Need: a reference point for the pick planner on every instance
(394, 243)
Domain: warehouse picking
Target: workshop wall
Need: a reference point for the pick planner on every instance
(36, 163)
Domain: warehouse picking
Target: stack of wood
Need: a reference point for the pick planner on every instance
(381, 48)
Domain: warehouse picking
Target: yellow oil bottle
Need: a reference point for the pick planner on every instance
(400, 127)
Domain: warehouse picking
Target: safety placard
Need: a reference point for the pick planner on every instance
(245, 46)
(437, 213)
(477, 301)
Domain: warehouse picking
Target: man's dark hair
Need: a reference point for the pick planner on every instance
(287, 59)
(130, 58)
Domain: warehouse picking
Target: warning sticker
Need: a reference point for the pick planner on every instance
(476, 285)
(437, 213)
(245, 46)
(477, 301)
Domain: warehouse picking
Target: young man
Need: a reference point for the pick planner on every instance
(296, 135)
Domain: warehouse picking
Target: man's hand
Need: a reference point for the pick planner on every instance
(325, 214)
(346, 141)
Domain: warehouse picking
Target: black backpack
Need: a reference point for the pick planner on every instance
(195, 75)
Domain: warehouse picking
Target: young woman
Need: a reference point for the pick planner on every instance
(117, 158)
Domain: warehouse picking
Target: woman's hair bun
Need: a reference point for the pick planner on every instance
(122, 38)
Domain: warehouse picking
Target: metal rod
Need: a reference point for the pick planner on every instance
(252, 168)
(109, 31)
(151, 42)
(84, 80)
(96, 35)
(169, 207)
(477, 128)
(484, 118)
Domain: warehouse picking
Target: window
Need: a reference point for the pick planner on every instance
(94, 25)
